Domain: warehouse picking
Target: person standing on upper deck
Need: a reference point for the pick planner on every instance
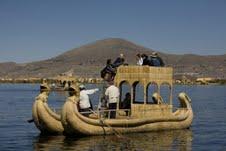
(119, 61)
(109, 72)
(139, 60)
(156, 60)
(112, 97)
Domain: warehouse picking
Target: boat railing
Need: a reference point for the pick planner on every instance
(105, 113)
(121, 113)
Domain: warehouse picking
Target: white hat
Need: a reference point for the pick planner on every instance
(154, 53)
(81, 86)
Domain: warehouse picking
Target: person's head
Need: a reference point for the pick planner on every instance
(128, 95)
(144, 56)
(138, 55)
(82, 87)
(108, 61)
(73, 90)
(44, 88)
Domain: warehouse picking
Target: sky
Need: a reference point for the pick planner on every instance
(32, 30)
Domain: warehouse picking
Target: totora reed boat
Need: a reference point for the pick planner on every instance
(145, 114)
(46, 120)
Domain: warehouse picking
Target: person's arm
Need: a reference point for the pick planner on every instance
(106, 94)
(118, 93)
(91, 91)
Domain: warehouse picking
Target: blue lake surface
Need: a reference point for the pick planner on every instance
(208, 130)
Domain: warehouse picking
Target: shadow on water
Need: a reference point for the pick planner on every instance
(165, 140)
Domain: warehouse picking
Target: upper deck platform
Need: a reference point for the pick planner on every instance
(144, 74)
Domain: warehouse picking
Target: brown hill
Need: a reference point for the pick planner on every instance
(89, 59)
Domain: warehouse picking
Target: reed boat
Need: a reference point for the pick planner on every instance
(143, 116)
(45, 119)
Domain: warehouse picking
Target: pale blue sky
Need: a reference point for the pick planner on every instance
(32, 30)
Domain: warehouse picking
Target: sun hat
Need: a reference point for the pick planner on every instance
(82, 86)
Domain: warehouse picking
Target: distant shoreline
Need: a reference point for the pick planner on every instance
(99, 80)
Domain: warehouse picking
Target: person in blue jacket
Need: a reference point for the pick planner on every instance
(156, 60)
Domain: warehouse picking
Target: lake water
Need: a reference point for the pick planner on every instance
(208, 130)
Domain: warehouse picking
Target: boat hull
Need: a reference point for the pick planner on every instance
(76, 124)
(47, 121)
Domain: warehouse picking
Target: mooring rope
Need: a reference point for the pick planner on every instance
(117, 133)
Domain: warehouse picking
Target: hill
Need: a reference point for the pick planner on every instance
(88, 60)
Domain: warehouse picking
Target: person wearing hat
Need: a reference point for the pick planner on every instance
(156, 60)
(85, 104)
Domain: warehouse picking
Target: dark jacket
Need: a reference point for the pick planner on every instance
(119, 61)
(108, 69)
(157, 61)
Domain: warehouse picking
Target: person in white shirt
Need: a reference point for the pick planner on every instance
(112, 96)
(84, 103)
(139, 60)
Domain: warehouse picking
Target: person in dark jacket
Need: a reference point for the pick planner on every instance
(126, 104)
(109, 71)
(156, 60)
(119, 61)
(146, 60)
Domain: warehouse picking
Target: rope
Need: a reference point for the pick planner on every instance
(117, 133)
(100, 95)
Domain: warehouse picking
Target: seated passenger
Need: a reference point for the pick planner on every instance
(157, 99)
(126, 104)
(156, 60)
